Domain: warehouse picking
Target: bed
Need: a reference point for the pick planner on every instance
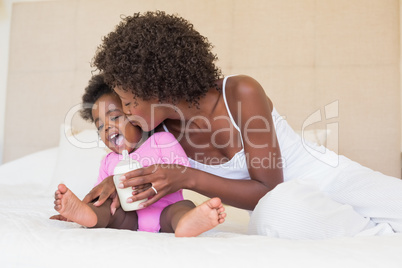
(28, 238)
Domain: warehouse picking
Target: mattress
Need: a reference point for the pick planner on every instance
(28, 238)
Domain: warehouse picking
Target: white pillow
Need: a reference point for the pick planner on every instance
(32, 169)
(78, 160)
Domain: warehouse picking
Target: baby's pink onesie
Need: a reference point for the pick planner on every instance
(160, 148)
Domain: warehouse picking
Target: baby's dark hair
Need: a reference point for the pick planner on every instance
(96, 88)
(156, 55)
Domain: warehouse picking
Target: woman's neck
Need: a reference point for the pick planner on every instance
(194, 116)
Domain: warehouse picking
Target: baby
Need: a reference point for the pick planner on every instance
(171, 213)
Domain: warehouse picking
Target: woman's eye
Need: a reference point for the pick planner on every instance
(127, 104)
(100, 127)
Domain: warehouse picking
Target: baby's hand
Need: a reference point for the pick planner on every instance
(102, 192)
(115, 203)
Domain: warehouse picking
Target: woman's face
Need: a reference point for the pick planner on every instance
(114, 129)
(147, 114)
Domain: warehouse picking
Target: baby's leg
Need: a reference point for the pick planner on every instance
(73, 209)
(127, 220)
(193, 221)
(172, 214)
(120, 220)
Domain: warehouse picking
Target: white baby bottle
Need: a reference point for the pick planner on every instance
(124, 166)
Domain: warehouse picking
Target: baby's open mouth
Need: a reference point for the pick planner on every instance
(117, 139)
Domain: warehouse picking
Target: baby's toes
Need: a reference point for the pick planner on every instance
(57, 202)
(220, 210)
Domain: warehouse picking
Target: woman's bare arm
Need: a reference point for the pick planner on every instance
(257, 128)
(252, 111)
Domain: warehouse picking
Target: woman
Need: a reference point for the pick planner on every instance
(239, 148)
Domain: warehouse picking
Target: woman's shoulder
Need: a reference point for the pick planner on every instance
(244, 88)
(242, 84)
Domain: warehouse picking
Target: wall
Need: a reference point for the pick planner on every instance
(4, 32)
(5, 17)
(309, 56)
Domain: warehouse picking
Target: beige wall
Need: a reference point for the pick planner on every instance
(307, 55)
(5, 18)
(4, 32)
(400, 68)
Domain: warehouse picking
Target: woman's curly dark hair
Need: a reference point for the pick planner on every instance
(96, 88)
(156, 55)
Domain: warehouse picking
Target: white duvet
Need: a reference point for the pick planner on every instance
(29, 239)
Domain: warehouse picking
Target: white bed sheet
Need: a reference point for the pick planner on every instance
(29, 239)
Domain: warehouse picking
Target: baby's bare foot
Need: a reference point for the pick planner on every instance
(71, 208)
(201, 219)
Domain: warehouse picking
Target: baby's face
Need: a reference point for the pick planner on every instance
(114, 129)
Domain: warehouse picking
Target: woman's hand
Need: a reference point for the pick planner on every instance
(141, 188)
(103, 191)
(164, 178)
